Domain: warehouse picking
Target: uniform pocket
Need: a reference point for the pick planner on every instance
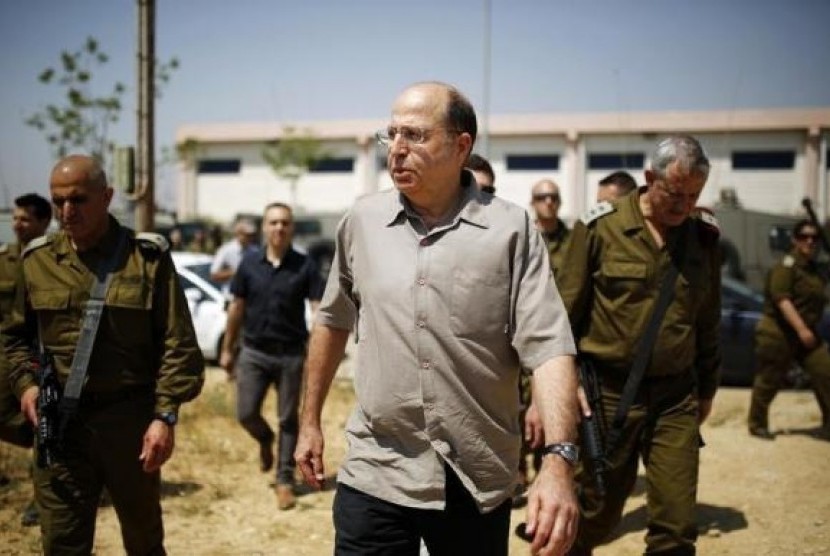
(130, 296)
(50, 300)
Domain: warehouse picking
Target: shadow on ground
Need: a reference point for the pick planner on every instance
(709, 518)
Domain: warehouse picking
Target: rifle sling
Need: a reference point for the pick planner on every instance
(644, 350)
(93, 310)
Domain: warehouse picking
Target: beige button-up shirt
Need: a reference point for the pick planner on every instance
(446, 319)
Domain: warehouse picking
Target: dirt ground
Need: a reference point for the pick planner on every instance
(756, 497)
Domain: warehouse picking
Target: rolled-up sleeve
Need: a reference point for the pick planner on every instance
(182, 368)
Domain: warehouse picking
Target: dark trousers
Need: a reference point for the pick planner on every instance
(369, 526)
(101, 450)
(662, 429)
(255, 372)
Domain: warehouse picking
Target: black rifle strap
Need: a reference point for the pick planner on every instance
(644, 349)
(93, 310)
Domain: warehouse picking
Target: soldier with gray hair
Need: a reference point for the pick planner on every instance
(642, 290)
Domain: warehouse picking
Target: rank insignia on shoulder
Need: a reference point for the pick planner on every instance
(597, 211)
(708, 225)
(788, 261)
(150, 239)
(36, 244)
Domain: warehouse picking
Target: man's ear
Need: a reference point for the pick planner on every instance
(465, 143)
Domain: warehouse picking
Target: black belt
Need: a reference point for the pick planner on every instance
(270, 347)
(98, 400)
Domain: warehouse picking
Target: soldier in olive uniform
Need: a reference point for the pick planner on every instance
(619, 253)
(30, 219)
(546, 203)
(145, 363)
(795, 300)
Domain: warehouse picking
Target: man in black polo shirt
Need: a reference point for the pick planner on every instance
(269, 292)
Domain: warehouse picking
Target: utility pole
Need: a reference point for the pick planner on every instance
(145, 144)
(484, 124)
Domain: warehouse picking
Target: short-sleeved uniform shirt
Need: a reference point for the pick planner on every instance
(275, 296)
(613, 271)
(798, 278)
(145, 336)
(445, 320)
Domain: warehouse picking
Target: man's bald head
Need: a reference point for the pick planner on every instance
(80, 170)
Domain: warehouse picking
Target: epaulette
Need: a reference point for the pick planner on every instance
(156, 241)
(35, 244)
(597, 211)
(708, 227)
(4, 248)
(788, 261)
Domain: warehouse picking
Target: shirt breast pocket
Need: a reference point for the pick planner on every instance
(622, 278)
(54, 311)
(480, 304)
(130, 296)
(6, 295)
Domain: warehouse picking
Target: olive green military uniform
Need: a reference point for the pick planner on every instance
(14, 427)
(557, 242)
(614, 271)
(145, 361)
(777, 344)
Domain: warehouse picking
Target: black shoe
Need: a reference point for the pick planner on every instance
(762, 433)
(31, 515)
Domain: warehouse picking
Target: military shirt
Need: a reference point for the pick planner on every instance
(445, 320)
(796, 277)
(557, 242)
(9, 258)
(614, 271)
(145, 336)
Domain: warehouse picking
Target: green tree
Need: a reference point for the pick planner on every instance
(82, 118)
(293, 155)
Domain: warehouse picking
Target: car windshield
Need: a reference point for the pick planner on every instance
(202, 270)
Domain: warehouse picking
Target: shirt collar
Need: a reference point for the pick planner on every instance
(471, 208)
(63, 245)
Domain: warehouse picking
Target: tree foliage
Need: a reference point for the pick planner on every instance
(293, 155)
(82, 118)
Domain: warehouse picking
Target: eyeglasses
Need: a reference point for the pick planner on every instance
(806, 237)
(410, 135)
(74, 200)
(673, 194)
(539, 197)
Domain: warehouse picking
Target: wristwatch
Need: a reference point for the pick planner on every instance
(566, 450)
(167, 417)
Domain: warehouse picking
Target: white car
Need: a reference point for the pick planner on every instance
(208, 306)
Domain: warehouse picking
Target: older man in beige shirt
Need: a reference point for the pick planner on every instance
(451, 297)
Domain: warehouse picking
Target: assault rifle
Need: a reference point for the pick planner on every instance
(48, 428)
(589, 427)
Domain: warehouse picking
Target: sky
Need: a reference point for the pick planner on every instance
(288, 60)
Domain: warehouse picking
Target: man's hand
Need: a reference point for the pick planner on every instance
(534, 429)
(704, 408)
(309, 455)
(552, 510)
(807, 338)
(227, 360)
(28, 404)
(159, 441)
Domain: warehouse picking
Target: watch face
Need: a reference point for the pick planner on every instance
(168, 418)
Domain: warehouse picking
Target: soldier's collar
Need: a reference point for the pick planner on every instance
(630, 212)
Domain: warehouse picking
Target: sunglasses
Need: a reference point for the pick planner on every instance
(73, 200)
(806, 237)
(539, 197)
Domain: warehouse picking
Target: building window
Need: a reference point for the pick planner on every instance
(532, 162)
(763, 160)
(333, 165)
(616, 161)
(219, 166)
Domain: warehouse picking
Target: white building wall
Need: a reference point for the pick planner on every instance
(222, 196)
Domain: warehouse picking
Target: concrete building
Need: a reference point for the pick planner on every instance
(770, 158)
